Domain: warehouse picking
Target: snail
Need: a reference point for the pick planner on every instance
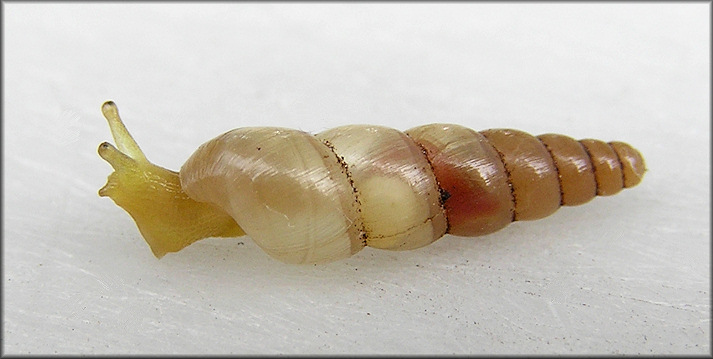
(307, 198)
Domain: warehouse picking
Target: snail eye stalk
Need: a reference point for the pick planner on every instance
(166, 216)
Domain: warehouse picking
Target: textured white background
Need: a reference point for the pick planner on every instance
(622, 274)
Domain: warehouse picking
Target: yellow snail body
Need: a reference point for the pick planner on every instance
(318, 198)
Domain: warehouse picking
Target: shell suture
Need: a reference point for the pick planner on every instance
(318, 198)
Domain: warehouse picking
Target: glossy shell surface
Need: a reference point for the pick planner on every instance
(318, 198)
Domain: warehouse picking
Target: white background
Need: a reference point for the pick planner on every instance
(622, 274)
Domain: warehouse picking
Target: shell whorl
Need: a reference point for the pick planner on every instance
(317, 198)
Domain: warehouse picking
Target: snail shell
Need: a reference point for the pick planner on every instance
(318, 198)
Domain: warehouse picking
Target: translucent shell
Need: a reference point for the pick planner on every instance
(306, 198)
(288, 191)
(397, 193)
(303, 202)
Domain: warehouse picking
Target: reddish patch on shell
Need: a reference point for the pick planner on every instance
(467, 202)
(469, 205)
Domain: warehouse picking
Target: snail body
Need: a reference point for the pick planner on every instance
(318, 198)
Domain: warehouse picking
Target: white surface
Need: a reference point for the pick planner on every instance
(622, 274)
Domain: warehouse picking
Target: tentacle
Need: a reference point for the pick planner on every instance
(167, 217)
(124, 142)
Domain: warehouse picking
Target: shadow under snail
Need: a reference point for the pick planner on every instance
(307, 198)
